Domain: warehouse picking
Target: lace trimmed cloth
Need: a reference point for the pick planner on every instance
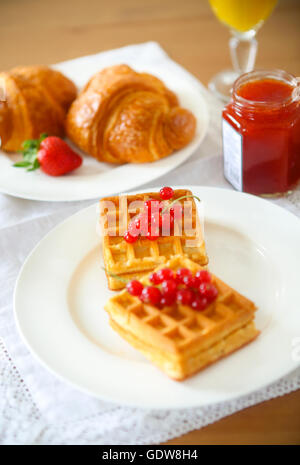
(36, 407)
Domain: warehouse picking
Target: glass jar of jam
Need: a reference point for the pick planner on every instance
(261, 133)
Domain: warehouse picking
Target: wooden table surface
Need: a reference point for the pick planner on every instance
(48, 31)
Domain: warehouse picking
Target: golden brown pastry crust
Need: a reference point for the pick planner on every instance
(37, 99)
(124, 116)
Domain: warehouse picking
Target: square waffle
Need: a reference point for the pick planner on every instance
(125, 261)
(178, 339)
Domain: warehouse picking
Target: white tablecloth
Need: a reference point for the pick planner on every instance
(37, 408)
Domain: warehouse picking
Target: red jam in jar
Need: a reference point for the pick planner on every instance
(261, 133)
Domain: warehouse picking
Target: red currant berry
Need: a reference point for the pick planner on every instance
(169, 287)
(209, 291)
(151, 295)
(203, 276)
(134, 287)
(203, 287)
(167, 223)
(134, 226)
(153, 278)
(151, 206)
(190, 281)
(212, 293)
(156, 220)
(164, 274)
(129, 238)
(199, 303)
(166, 193)
(167, 300)
(176, 212)
(143, 224)
(153, 236)
(184, 296)
(147, 204)
(181, 273)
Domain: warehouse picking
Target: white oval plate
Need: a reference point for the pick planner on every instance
(94, 179)
(253, 245)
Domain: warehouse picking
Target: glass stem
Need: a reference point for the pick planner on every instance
(243, 53)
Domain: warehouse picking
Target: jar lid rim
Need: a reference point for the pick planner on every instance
(276, 74)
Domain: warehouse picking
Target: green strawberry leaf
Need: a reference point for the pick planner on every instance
(22, 164)
(43, 136)
(30, 144)
(35, 165)
(30, 155)
(30, 151)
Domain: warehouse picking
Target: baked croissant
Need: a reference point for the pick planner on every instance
(124, 116)
(36, 100)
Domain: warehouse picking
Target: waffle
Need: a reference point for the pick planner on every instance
(178, 339)
(133, 261)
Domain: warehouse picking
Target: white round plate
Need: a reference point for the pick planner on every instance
(253, 245)
(93, 179)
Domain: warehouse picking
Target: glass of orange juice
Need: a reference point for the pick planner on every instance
(244, 18)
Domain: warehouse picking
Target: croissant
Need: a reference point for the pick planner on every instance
(124, 116)
(37, 99)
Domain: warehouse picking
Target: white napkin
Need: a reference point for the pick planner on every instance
(36, 407)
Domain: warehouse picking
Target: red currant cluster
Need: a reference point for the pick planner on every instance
(181, 287)
(153, 219)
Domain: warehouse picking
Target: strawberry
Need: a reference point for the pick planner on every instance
(51, 154)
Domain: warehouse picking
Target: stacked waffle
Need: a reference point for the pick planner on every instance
(177, 339)
(125, 261)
